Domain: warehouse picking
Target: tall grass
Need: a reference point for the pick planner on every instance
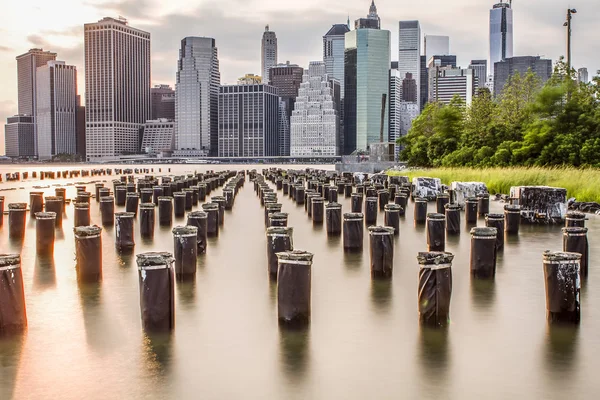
(583, 184)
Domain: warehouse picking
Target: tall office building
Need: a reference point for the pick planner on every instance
(268, 53)
(283, 129)
(424, 83)
(582, 75)
(409, 52)
(479, 68)
(442, 61)
(19, 137)
(197, 98)
(315, 120)
(80, 130)
(394, 105)
(408, 112)
(248, 121)
(436, 46)
(367, 64)
(503, 70)
(333, 52)
(56, 109)
(447, 82)
(117, 87)
(409, 88)
(287, 79)
(162, 98)
(27, 65)
(501, 33)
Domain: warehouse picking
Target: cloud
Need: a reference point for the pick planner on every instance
(7, 109)
(6, 49)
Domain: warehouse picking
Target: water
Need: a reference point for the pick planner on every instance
(364, 340)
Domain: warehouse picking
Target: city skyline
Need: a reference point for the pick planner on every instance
(537, 31)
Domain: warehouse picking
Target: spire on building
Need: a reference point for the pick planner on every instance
(373, 10)
(349, 21)
(266, 28)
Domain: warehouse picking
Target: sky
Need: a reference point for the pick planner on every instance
(237, 26)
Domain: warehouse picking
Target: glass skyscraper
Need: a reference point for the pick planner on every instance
(367, 65)
(501, 33)
(409, 53)
(333, 52)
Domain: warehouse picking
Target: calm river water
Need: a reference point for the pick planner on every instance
(364, 341)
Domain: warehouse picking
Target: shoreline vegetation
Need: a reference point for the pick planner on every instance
(582, 184)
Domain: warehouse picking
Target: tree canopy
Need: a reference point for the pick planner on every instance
(529, 124)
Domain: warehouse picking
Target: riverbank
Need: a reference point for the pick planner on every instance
(583, 184)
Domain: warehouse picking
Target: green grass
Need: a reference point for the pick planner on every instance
(583, 184)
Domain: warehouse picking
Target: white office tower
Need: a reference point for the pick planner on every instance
(409, 53)
(268, 53)
(436, 46)
(284, 129)
(394, 105)
(315, 120)
(158, 136)
(197, 98)
(447, 82)
(117, 88)
(56, 105)
(582, 75)
(408, 112)
(501, 33)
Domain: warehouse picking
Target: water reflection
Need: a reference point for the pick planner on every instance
(125, 257)
(511, 240)
(158, 349)
(273, 290)
(59, 234)
(453, 239)
(353, 260)
(561, 349)
(16, 244)
(434, 354)
(44, 274)
(483, 293)
(334, 241)
(98, 327)
(10, 357)
(186, 290)
(381, 294)
(293, 348)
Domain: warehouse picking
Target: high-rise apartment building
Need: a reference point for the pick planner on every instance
(436, 45)
(367, 64)
(268, 53)
(315, 121)
(409, 52)
(501, 33)
(503, 70)
(582, 75)
(56, 109)
(19, 137)
(162, 98)
(394, 105)
(158, 136)
(447, 82)
(287, 79)
(333, 52)
(248, 121)
(27, 65)
(117, 87)
(479, 68)
(197, 98)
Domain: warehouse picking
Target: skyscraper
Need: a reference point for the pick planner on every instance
(26, 78)
(424, 83)
(371, 22)
(479, 68)
(268, 53)
(503, 70)
(56, 109)
(197, 98)
(158, 136)
(80, 131)
(394, 105)
(117, 87)
(248, 121)
(409, 52)
(436, 45)
(162, 98)
(501, 33)
(333, 52)
(287, 79)
(367, 65)
(582, 75)
(315, 120)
